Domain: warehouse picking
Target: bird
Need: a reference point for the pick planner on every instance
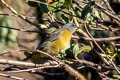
(57, 41)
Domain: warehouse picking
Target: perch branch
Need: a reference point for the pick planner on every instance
(66, 67)
(20, 63)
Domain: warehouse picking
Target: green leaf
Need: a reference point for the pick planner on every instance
(89, 17)
(76, 49)
(65, 18)
(78, 13)
(32, 3)
(66, 4)
(57, 15)
(60, 3)
(87, 9)
(97, 14)
(51, 8)
(116, 76)
(43, 7)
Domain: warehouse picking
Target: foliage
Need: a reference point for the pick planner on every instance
(7, 36)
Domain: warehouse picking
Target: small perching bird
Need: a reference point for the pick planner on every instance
(57, 41)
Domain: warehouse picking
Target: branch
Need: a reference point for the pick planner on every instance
(28, 17)
(33, 69)
(107, 12)
(99, 7)
(19, 29)
(53, 75)
(104, 77)
(52, 7)
(21, 16)
(100, 23)
(97, 39)
(108, 5)
(105, 61)
(12, 77)
(74, 37)
(19, 50)
(25, 64)
(66, 67)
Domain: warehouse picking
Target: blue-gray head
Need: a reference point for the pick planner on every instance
(70, 26)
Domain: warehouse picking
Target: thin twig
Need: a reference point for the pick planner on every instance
(108, 39)
(109, 11)
(101, 8)
(108, 6)
(51, 6)
(22, 30)
(104, 77)
(100, 24)
(28, 17)
(114, 16)
(113, 64)
(21, 16)
(74, 37)
(53, 75)
(13, 51)
(38, 68)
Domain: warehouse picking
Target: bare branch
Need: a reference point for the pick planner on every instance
(53, 75)
(19, 50)
(20, 63)
(66, 67)
(97, 39)
(21, 16)
(105, 61)
(52, 7)
(101, 8)
(12, 77)
(28, 17)
(32, 69)
(20, 29)
(105, 77)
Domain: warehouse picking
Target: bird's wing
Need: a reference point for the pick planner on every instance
(55, 35)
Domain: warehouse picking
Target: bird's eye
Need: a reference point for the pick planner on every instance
(73, 24)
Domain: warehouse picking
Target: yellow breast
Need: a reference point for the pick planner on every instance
(62, 41)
